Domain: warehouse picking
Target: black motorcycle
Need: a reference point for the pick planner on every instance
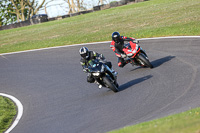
(103, 75)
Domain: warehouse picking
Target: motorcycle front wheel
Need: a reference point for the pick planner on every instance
(110, 85)
(144, 60)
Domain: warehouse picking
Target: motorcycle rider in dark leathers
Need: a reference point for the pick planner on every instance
(117, 46)
(86, 56)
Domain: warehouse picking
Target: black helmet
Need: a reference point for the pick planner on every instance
(84, 52)
(115, 36)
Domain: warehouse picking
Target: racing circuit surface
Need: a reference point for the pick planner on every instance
(57, 98)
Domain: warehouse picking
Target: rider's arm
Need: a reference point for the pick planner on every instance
(98, 56)
(95, 54)
(128, 38)
(83, 64)
(112, 46)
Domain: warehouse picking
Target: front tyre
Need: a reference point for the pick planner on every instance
(110, 85)
(144, 60)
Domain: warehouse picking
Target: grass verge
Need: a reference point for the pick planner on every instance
(186, 122)
(7, 113)
(153, 18)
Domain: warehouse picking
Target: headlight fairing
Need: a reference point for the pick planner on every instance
(96, 74)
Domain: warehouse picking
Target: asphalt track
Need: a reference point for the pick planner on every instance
(57, 99)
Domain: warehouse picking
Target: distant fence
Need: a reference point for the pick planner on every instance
(44, 18)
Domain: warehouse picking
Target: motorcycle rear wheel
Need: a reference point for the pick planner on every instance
(109, 84)
(145, 60)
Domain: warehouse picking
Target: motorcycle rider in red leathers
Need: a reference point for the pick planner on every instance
(117, 46)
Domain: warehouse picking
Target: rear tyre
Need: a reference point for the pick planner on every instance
(110, 85)
(143, 58)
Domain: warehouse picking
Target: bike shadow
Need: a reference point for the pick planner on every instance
(159, 62)
(134, 82)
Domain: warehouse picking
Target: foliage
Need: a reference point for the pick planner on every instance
(6, 16)
(20, 10)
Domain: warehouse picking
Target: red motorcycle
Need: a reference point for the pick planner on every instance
(137, 55)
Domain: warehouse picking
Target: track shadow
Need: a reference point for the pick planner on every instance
(134, 82)
(159, 62)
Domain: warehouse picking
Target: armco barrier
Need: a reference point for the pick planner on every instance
(96, 8)
(66, 16)
(84, 12)
(36, 19)
(74, 14)
(16, 25)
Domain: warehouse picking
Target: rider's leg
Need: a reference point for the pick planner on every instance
(90, 79)
(122, 62)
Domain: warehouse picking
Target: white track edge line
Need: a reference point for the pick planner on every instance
(73, 45)
(19, 111)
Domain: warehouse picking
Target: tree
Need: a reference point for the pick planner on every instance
(45, 6)
(26, 8)
(20, 10)
(80, 5)
(5, 16)
(100, 2)
(34, 6)
(75, 6)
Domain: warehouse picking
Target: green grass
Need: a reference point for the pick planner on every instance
(7, 113)
(186, 122)
(146, 19)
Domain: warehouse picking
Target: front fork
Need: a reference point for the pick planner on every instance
(134, 61)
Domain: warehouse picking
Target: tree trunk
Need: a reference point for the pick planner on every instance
(101, 2)
(78, 5)
(40, 6)
(73, 6)
(69, 4)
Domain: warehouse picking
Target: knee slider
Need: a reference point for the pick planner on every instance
(90, 79)
(120, 64)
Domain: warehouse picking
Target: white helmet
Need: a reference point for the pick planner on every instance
(84, 52)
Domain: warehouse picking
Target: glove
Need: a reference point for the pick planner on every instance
(101, 56)
(135, 41)
(123, 55)
(85, 70)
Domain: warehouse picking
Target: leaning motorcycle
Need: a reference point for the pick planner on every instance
(103, 75)
(137, 55)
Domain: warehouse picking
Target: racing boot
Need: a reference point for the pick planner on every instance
(128, 61)
(99, 85)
